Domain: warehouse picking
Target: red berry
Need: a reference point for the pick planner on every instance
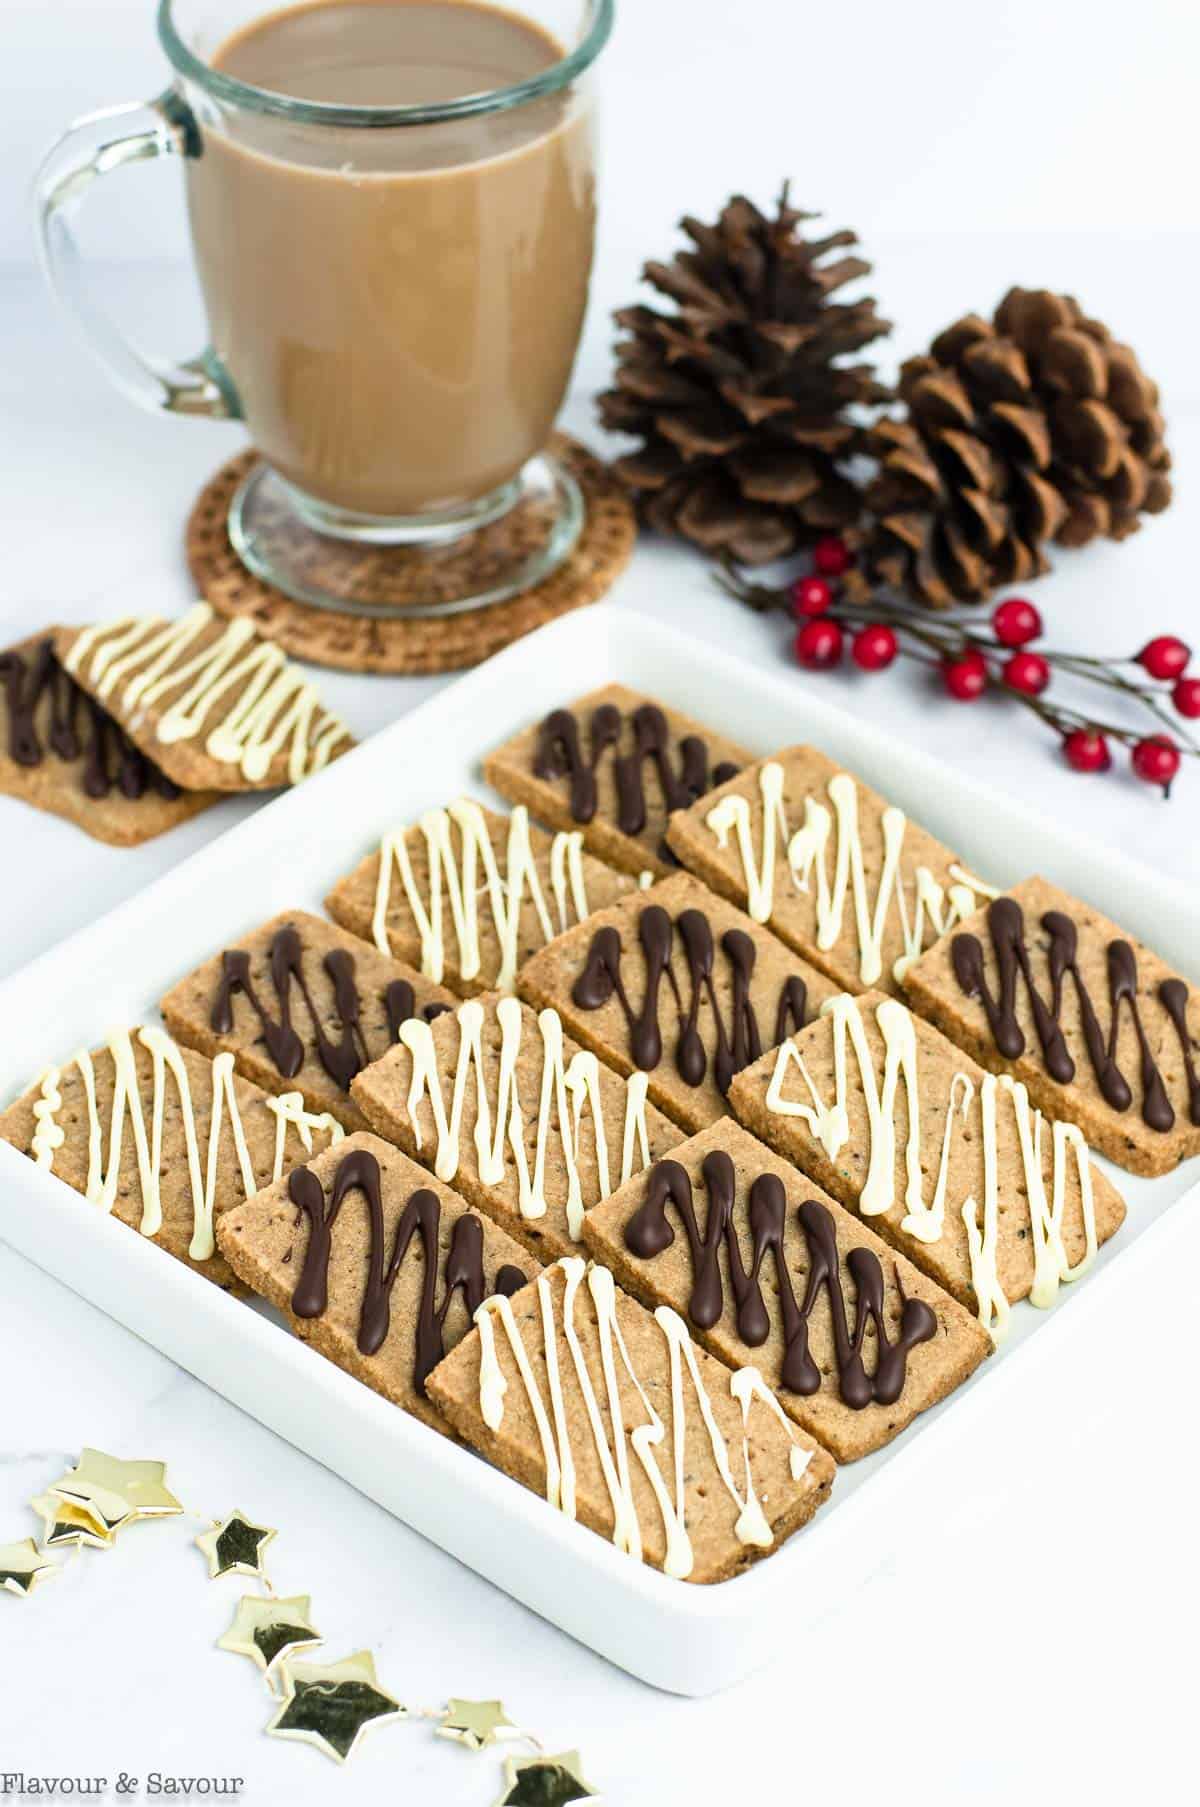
(1186, 696)
(1086, 750)
(819, 644)
(810, 596)
(1027, 672)
(1156, 760)
(832, 556)
(1164, 656)
(965, 678)
(874, 647)
(1016, 622)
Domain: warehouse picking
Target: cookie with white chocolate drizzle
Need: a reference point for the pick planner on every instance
(615, 765)
(212, 702)
(836, 871)
(62, 752)
(620, 1422)
(374, 1262)
(163, 1138)
(302, 1006)
(465, 895)
(766, 1269)
(951, 1165)
(505, 1108)
(677, 984)
(1098, 1027)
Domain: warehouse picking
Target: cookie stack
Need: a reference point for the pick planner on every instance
(678, 1135)
(130, 727)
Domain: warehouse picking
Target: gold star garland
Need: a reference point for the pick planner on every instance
(329, 1705)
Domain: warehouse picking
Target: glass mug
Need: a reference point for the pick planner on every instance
(395, 293)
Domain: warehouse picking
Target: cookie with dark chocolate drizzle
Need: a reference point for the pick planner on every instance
(678, 984)
(302, 1005)
(615, 765)
(1097, 1025)
(61, 751)
(375, 1263)
(772, 1272)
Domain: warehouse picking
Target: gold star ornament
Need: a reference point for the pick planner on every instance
(235, 1546)
(118, 1491)
(544, 1781)
(265, 1630)
(71, 1522)
(476, 1723)
(331, 1705)
(22, 1566)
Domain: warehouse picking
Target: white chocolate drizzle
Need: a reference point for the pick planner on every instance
(128, 1115)
(456, 879)
(828, 1122)
(255, 698)
(567, 1090)
(807, 854)
(611, 1436)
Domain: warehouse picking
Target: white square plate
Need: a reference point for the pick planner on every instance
(689, 1639)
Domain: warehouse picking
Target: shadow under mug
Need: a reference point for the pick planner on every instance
(395, 297)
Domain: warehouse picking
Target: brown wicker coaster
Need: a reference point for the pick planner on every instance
(358, 643)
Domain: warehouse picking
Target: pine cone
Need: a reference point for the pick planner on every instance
(1038, 427)
(739, 395)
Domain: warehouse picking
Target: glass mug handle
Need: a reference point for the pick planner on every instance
(92, 147)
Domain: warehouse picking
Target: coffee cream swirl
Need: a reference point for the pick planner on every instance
(128, 1117)
(567, 1090)
(924, 1220)
(606, 1422)
(458, 877)
(255, 699)
(806, 852)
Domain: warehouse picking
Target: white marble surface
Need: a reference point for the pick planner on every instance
(1030, 1640)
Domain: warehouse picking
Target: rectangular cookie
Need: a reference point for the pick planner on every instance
(836, 871)
(217, 706)
(675, 983)
(950, 1165)
(614, 764)
(466, 895)
(63, 753)
(1093, 1022)
(617, 1419)
(528, 1126)
(94, 1122)
(373, 1262)
(302, 1006)
(768, 1270)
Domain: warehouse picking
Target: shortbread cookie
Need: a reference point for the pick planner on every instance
(302, 1006)
(677, 984)
(617, 1419)
(950, 1164)
(767, 1269)
(1097, 1026)
(163, 1138)
(62, 752)
(615, 764)
(837, 872)
(215, 704)
(374, 1262)
(466, 895)
(526, 1125)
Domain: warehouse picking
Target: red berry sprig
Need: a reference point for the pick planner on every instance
(972, 661)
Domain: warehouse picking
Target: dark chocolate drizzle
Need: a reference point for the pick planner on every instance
(78, 728)
(648, 1234)
(560, 754)
(738, 1045)
(1006, 926)
(462, 1270)
(341, 1059)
